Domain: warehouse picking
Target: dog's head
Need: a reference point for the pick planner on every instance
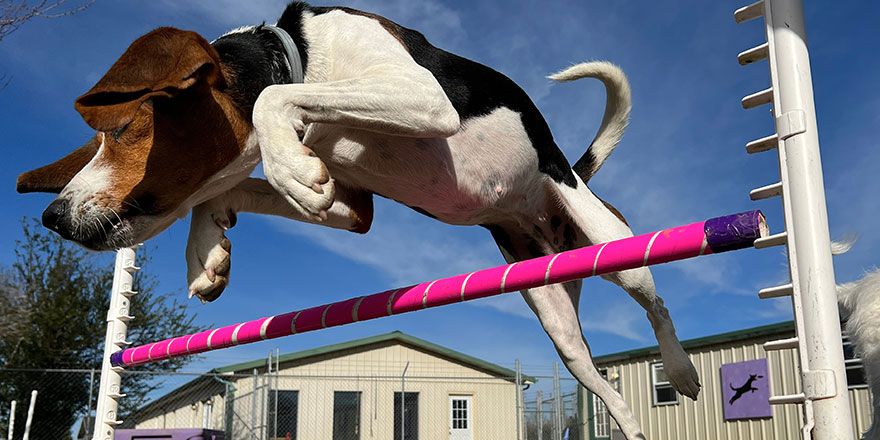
(166, 128)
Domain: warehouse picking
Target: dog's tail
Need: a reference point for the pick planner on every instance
(616, 118)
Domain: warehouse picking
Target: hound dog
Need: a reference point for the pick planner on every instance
(181, 124)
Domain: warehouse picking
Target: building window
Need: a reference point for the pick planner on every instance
(283, 412)
(664, 394)
(410, 417)
(346, 415)
(601, 418)
(461, 417)
(855, 374)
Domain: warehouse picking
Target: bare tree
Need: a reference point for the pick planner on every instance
(12, 299)
(14, 13)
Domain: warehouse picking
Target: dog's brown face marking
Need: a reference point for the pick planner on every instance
(169, 150)
(165, 127)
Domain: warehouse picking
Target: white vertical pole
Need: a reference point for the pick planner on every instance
(557, 410)
(824, 377)
(540, 404)
(518, 384)
(117, 329)
(30, 415)
(11, 421)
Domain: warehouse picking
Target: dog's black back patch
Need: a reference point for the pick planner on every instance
(474, 90)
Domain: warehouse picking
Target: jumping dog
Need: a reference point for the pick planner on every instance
(182, 122)
(746, 388)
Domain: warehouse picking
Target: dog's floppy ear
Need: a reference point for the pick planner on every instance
(161, 63)
(54, 177)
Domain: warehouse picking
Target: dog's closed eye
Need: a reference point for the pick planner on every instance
(118, 132)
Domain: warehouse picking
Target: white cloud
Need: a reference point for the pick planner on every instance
(780, 308)
(623, 318)
(404, 246)
(231, 13)
(719, 276)
(511, 304)
(439, 23)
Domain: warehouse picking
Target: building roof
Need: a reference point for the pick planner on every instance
(395, 336)
(691, 344)
(213, 381)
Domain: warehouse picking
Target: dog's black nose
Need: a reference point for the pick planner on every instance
(54, 217)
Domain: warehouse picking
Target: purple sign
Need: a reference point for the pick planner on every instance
(745, 390)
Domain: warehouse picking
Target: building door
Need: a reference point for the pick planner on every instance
(346, 415)
(461, 417)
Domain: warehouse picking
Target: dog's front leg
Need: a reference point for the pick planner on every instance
(208, 250)
(295, 171)
(398, 98)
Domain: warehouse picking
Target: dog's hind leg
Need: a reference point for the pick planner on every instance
(557, 309)
(593, 221)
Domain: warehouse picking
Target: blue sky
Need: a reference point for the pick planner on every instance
(681, 160)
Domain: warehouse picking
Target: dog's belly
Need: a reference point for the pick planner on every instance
(486, 171)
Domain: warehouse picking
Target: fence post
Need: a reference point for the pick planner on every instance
(403, 402)
(557, 413)
(518, 401)
(88, 420)
(277, 381)
(540, 404)
(30, 415)
(254, 406)
(11, 420)
(581, 419)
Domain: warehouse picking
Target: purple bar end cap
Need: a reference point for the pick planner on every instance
(116, 359)
(736, 231)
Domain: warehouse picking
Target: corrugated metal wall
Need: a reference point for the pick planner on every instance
(704, 419)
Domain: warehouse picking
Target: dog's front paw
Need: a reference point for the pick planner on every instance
(208, 252)
(302, 178)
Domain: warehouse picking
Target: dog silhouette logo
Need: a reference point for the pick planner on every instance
(745, 388)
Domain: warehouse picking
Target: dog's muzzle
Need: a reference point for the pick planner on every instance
(56, 218)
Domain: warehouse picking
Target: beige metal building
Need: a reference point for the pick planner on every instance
(348, 391)
(665, 415)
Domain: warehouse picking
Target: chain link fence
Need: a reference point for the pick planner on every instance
(267, 404)
(554, 415)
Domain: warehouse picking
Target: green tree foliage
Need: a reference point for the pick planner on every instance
(53, 310)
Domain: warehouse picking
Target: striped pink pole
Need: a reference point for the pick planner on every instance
(711, 236)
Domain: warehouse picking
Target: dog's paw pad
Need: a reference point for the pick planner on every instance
(208, 258)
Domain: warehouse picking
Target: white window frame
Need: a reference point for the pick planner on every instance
(852, 363)
(601, 419)
(601, 416)
(655, 384)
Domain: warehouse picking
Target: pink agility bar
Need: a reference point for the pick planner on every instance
(712, 236)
